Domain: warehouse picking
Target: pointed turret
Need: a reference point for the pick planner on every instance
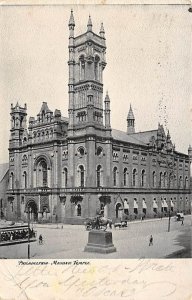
(71, 20)
(190, 152)
(169, 143)
(130, 121)
(102, 31)
(107, 112)
(130, 115)
(89, 24)
(168, 136)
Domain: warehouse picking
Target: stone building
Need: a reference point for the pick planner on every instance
(4, 183)
(64, 169)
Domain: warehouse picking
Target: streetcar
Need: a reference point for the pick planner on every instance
(16, 235)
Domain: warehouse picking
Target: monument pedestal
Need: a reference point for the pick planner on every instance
(100, 241)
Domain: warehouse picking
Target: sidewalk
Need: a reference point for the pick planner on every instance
(130, 242)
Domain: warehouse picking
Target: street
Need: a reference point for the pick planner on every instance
(131, 242)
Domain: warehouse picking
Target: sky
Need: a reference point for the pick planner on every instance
(148, 63)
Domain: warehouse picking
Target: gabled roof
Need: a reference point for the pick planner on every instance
(3, 170)
(144, 136)
(128, 138)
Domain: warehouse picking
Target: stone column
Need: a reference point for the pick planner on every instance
(49, 177)
(34, 179)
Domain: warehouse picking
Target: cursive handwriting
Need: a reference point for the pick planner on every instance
(87, 279)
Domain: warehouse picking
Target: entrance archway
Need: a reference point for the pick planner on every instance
(31, 211)
(119, 210)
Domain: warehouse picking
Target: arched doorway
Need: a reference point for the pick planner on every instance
(31, 211)
(119, 210)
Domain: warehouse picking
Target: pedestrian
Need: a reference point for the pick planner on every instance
(151, 240)
(182, 222)
(40, 239)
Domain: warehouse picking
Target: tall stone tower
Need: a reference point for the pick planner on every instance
(18, 125)
(86, 127)
(130, 121)
(86, 65)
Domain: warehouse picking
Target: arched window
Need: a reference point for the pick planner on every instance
(12, 181)
(134, 179)
(118, 210)
(143, 177)
(170, 180)
(82, 67)
(115, 176)
(25, 179)
(180, 182)
(125, 177)
(79, 210)
(99, 176)
(126, 207)
(154, 179)
(186, 182)
(175, 181)
(161, 179)
(165, 180)
(42, 173)
(65, 177)
(82, 176)
(96, 68)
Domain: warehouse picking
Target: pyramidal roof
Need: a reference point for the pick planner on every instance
(130, 115)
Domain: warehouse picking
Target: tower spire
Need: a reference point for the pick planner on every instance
(130, 121)
(71, 20)
(102, 31)
(89, 24)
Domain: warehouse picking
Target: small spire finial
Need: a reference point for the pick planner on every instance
(130, 115)
(89, 24)
(71, 20)
(107, 99)
(102, 31)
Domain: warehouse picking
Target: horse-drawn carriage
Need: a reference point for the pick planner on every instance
(97, 223)
(122, 224)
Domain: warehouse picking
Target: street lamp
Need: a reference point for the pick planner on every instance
(169, 220)
(28, 211)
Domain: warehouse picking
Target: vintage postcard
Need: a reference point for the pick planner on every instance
(95, 161)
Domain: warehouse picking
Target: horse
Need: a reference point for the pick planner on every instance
(103, 221)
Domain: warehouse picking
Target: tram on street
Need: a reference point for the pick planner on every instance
(16, 235)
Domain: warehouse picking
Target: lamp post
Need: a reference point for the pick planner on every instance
(28, 211)
(169, 221)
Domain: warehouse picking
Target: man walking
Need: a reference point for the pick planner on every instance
(151, 241)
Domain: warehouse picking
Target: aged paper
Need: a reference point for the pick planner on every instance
(155, 78)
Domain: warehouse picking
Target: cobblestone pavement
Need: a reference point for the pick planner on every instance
(131, 242)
